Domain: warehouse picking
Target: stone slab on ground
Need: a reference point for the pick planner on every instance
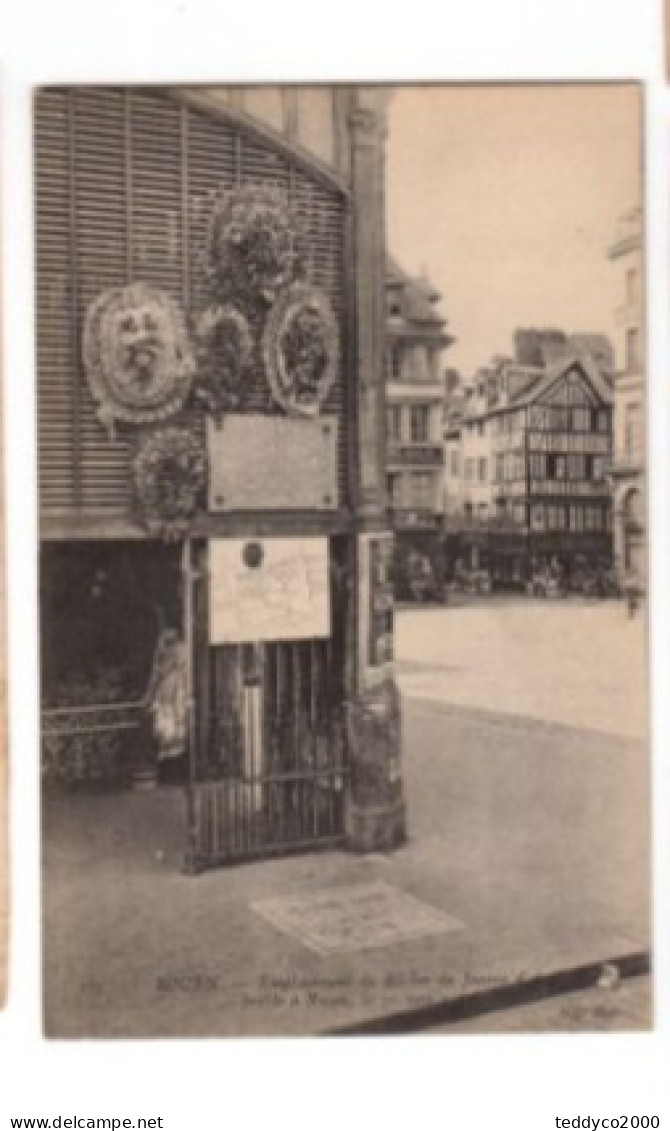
(350, 917)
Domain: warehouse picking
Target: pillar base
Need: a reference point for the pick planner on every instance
(375, 828)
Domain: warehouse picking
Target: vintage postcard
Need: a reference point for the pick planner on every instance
(341, 411)
(4, 782)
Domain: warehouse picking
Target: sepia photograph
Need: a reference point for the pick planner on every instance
(4, 782)
(342, 559)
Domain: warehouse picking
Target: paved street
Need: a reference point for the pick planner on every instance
(624, 1008)
(574, 662)
(529, 833)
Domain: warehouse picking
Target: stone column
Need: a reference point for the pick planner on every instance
(375, 813)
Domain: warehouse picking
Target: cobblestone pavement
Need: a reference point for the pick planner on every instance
(576, 662)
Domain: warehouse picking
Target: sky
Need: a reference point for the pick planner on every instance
(508, 197)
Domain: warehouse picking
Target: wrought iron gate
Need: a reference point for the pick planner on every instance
(270, 770)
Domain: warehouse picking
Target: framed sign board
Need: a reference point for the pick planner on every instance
(272, 463)
(268, 589)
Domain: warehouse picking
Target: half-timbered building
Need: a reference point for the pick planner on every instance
(534, 449)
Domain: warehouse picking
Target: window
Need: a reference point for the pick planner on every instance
(633, 362)
(514, 467)
(455, 464)
(556, 518)
(598, 469)
(576, 518)
(537, 516)
(603, 420)
(576, 466)
(469, 470)
(480, 427)
(423, 493)
(557, 467)
(482, 469)
(419, 422)
(500, 467)
(581, 419)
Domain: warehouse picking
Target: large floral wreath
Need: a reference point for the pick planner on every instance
(137, 354)
(301, 349)
(255, 244)
(224, 347)
(170, 474)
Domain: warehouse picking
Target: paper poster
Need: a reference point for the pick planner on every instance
(268, 589)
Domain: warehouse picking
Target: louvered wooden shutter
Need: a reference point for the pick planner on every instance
(56, 344)
(124, 182)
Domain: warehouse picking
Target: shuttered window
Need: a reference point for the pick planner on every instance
(124, 181)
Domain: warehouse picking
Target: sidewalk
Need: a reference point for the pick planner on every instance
(519, 860)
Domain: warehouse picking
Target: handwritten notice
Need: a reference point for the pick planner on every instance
(268, 589)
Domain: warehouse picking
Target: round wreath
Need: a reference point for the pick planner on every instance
(255, 244)
(224, 348)
(301, 349)
(169, 472)
(137, 355)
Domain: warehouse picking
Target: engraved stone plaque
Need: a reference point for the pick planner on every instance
(272, 463)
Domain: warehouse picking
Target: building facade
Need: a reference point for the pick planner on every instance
(528, 449)
(628, 471)
(214, 549)
(415, 395)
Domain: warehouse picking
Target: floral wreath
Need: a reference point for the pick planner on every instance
(301, 349)
(255, 244)
(137, 355)
(169, 472)
(225, 347)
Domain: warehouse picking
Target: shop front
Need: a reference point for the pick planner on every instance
(531, 562)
